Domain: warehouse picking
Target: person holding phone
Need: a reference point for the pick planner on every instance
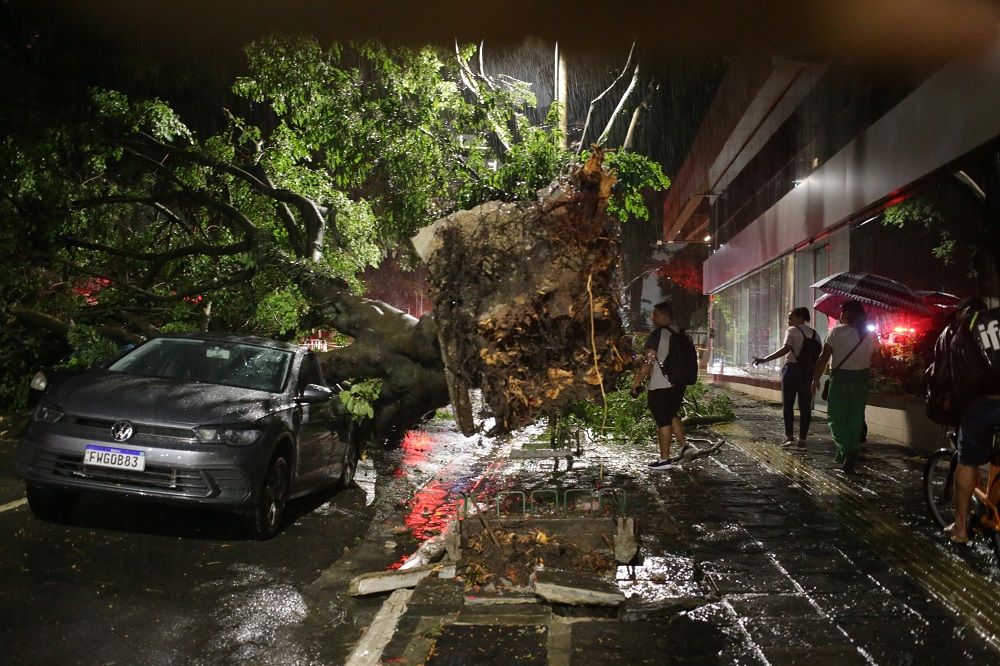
(664, 399)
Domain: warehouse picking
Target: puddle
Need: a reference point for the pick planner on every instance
(659, 578)
(441, 467)
(253, 616)
(365, 478)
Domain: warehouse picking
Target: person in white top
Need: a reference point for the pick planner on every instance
(664, 399)
(849, 348)
(795, 380)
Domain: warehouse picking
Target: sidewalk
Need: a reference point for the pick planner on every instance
(752, 555)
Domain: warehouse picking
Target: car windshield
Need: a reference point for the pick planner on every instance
(209, 361)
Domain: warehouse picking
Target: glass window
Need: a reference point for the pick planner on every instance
(749, 319)
(209, 362)
(311, 373)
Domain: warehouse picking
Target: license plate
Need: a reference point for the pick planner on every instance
(114, 457)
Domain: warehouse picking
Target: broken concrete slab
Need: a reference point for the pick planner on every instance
(635, 609)
(560, 587)
(380, 632)
(434, 549)
(437, 596)
(384, 581)
(626, 541)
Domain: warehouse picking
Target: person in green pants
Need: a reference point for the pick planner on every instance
(848, 348)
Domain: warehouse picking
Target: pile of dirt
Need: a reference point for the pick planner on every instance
(525, 301)
(498, 558)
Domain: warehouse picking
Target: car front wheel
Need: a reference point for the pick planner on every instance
(50, 503)
(350, 465)
(267, 518)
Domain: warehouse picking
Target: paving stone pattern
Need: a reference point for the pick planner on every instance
(797, 562)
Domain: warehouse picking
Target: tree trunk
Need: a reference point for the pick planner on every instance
(389, 345)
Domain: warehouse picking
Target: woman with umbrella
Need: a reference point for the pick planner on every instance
(850, 346)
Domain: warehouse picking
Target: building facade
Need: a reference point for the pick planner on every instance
(791, 175)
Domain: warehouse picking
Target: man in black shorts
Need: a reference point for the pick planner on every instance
(664, 399)
(974, 367)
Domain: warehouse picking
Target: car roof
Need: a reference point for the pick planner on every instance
(232, 338)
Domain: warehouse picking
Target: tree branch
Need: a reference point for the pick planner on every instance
(161, 258)
(312, 213)
(469, 79)
(621, 103)
(234, 278)
(644, 104)
(593, 102)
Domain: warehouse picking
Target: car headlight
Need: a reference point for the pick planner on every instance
(47, 413)
(39, 382)
(233, 435)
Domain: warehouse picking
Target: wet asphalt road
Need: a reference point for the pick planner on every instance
(136, 583)
(803, 564)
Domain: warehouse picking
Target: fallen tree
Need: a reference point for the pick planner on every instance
(525, 300)
(123, 222)
(525, 309)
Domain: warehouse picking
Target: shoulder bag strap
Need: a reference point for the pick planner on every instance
(658, 362)
(803, 344)
(843, 360)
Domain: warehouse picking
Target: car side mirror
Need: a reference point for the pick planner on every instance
(316, 393)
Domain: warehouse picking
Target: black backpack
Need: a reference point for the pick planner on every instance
(811, 349)
(959, 373)
(681, 365)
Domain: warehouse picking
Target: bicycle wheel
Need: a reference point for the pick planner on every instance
(994, 538)
(978, 515)
(939, 485)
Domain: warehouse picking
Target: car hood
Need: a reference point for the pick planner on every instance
(112, 395)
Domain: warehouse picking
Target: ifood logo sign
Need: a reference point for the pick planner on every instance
(989, 335)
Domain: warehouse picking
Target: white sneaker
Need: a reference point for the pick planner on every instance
(660, 465)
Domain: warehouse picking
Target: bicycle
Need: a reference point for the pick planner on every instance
(939, 491)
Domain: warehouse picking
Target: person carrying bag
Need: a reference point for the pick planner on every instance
(801, 351)
(851, 348)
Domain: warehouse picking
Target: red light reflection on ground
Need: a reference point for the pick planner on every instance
(430, 508)
(433, 505)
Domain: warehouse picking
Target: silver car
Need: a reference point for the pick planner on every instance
(234, 423)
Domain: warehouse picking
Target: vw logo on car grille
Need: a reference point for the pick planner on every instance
(122, 431)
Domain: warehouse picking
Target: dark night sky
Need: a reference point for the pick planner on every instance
(880, 31)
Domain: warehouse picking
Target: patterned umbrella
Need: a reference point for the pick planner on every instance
(874, 291)
(936, 300)
(830, 304)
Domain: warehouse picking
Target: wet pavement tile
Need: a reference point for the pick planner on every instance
(828, 583)
(750, 565)
(901, 633)
(753, 519)
(820, 655)
(924, 605)
(680, 640)
(816, 562)
(841, 605)
(745, 583)
(460, 645)
(791, 605)
(793, 632)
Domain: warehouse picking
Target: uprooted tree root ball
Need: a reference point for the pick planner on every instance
(525, 301)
